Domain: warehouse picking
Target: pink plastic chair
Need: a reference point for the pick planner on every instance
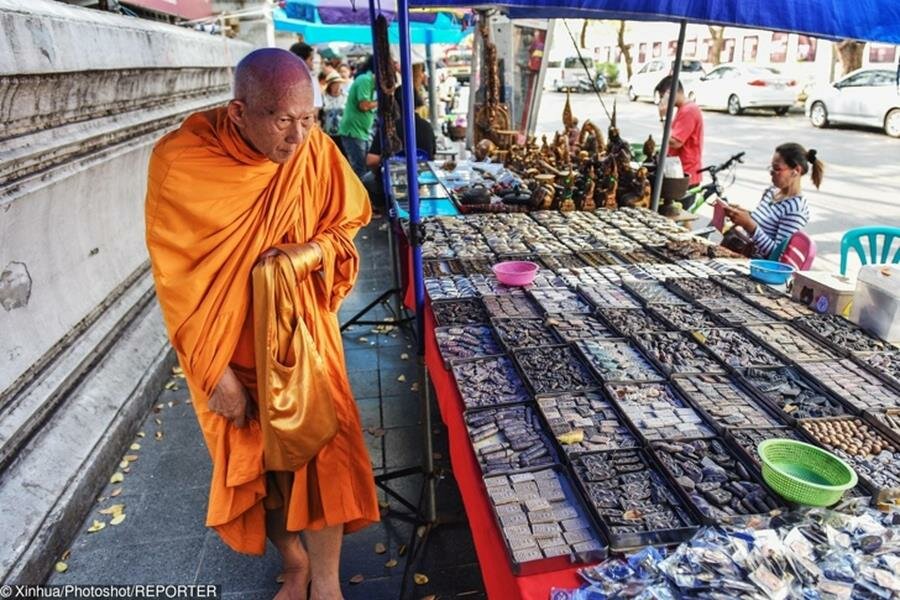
(799, 252)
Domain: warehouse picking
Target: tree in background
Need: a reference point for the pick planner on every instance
(850, 53)
(624, 48)
(717, 43)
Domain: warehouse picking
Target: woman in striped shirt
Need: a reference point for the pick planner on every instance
(783, 209)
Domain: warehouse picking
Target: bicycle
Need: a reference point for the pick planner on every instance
(701, 193)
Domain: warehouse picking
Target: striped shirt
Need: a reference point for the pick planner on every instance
(777, 221)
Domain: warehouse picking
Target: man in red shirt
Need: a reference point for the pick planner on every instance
(686, 138)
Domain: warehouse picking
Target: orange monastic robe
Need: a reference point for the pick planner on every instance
(214, 205)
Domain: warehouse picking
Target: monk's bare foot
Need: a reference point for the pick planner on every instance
(294, 586)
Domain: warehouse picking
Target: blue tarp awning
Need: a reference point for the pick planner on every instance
(338, 21)
(868, 20)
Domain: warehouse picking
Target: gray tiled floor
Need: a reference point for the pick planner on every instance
(163, 538)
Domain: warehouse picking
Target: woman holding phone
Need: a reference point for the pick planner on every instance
(783, 209)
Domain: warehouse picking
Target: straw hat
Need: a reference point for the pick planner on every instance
(333, 77)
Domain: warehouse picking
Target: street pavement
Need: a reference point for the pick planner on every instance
(862, 166)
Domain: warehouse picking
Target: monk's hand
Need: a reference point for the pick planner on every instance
(230, 399)
(314, 245)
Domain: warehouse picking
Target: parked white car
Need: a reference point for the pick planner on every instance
(864, 97)
(643, 83)
(737, 87)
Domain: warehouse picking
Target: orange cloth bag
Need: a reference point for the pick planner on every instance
(296, 406)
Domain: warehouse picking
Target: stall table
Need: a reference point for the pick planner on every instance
(496, 571)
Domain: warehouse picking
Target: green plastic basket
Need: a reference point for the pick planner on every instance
(803, 473)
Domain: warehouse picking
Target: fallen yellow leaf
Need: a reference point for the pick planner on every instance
(123, 464)
(380, 548)
(171, 386)
(117, 478)
(414, 387)
(159, 435)
(135, 446)
(141, 434)
(66, 555)
(420, 578)
(402, 378)
(115, 509)
(116, 492)
(61, 567)
(97, 526)
(131, 457)
(384, 504)
(117, 519)
(363, 340)
(404, 356)
(420, 531)
(391, 563)
(158, 421)
(575, 436)
(177, 370)
(358, 578)
(401, 550)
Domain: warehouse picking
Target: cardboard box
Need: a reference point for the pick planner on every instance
(876, 303)
(823, 291)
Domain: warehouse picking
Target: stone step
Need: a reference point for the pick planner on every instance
(33, 400)
(51, 480)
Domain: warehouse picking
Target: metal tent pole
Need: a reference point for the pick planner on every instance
(667, 128)
(415, 242)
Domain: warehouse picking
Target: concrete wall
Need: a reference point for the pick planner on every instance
(83, 96)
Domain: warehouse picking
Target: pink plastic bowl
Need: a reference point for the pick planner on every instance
(515, 272)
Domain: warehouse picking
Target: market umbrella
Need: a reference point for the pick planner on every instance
(869, 20)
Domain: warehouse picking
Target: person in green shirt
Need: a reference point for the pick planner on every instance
(355, 129)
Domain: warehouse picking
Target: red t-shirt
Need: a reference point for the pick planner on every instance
(687, 127)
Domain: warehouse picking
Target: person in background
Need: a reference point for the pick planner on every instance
(346, 74)
(420, 88)
(306, 53)
(783, 209)
(686, 138)
(355, 129)
(333, 102)
(425, 141)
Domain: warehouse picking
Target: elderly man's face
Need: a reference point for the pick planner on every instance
(277, 125)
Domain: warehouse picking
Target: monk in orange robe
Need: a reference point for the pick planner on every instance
(224, 189)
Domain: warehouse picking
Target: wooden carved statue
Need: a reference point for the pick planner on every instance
(590, 138)
(492, 116)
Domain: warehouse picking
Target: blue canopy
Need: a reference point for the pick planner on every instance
(444, 28)
(868, 20)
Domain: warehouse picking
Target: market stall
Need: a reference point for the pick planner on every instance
(619, 402)
(639, 375)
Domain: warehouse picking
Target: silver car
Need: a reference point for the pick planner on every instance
(737, 87)
(864, 97)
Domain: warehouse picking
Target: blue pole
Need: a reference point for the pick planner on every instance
(412, 171)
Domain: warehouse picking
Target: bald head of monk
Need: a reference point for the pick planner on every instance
(273, 105)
